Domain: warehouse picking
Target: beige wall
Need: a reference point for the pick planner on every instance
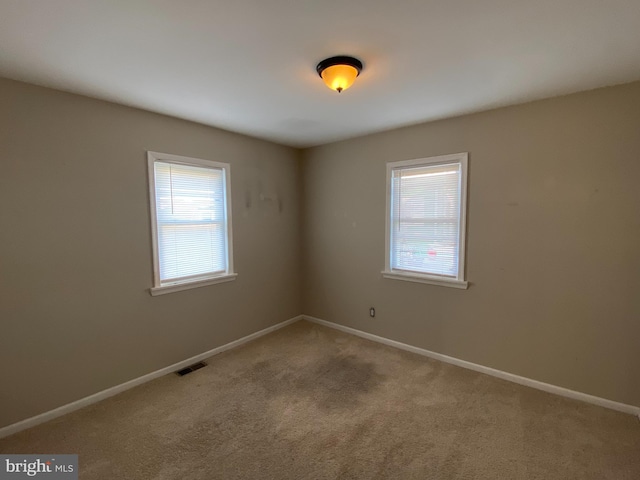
(76, 316)
(553, 261)
(553, 243)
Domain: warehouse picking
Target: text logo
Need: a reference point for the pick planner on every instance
(46, 467)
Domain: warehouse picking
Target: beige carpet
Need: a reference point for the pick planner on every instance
(308, 402)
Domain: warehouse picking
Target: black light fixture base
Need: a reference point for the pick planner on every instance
(339, 60)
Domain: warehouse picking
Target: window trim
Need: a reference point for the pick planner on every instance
(158, 288)
(410, 276)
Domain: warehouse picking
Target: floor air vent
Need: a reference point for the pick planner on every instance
(191, 368)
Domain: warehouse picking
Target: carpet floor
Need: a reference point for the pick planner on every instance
(307, 402)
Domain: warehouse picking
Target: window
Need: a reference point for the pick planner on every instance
(426, 220)
(191, 222)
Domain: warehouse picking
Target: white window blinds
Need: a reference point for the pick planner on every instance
(425, 221)
(191, 222)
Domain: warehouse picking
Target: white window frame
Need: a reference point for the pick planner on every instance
(160, 288)
(410, 276)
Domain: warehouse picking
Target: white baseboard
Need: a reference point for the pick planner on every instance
(564, 392)
(110, 392)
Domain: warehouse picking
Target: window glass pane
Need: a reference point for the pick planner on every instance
(425, 219)
(188, 250)
(191, 221)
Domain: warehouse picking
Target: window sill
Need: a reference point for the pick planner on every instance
(432, 280)
(177, 287)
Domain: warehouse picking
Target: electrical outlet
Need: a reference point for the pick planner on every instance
(372, 312)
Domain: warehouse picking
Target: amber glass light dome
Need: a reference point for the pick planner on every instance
(339, 73)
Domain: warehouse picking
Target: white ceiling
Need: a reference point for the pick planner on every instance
(249, 65)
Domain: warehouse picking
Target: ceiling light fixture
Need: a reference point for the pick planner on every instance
(339, 73)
